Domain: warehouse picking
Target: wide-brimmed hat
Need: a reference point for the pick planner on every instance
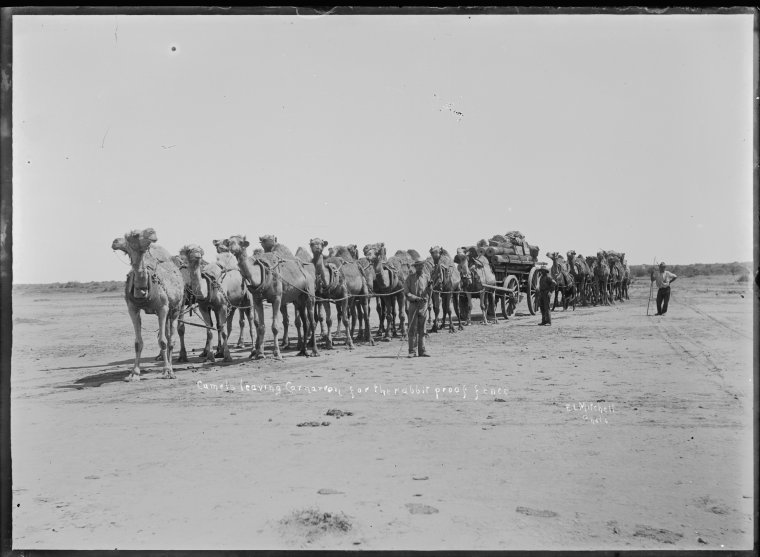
(417, 260)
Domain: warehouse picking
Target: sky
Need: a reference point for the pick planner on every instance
(624, 132)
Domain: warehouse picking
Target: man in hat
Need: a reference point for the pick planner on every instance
(546, 285)
(664, 279)
(417, 288)
(268, 242)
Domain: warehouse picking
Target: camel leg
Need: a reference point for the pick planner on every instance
(241, 320)
(260, 329)
(402, 313)
(134, 315)
(285, 344)
(170, 326)
(328, 322)
(208, 353)
(299, 331)
(349, 341)
(222, 321)
(182, 350)
(276, 311)
(251, 324)
(436, 308)
(339, 318)
(364, 305)
(164, 343)
(312, 324)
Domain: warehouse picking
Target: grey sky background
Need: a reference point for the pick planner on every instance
(631, 133)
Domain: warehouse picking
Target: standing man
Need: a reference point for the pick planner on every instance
(417, 289)
(546, 285)
(664, 279)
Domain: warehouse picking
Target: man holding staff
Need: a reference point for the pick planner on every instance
(417, 289)
(664, 279)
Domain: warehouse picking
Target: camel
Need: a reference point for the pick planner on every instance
(580, 273)
(602, 275)
(475, 277)
(219, 288)
(155, 286)
(268, 244)
(280, 279)
(565, 282)
(339, 279)
(447, 284)
(592, 290)
(228, 263)
(362, 310)
(388, 283)
(359, 302)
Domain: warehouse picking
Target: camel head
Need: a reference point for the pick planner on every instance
(553, 255)
(373, 252)
(268, 242)
(435, 253)
(135, 243)
(316, 245)
(571, 255)
(236, 245)
(220, 247)
(119, 244)
(353, 250)
(193, 253)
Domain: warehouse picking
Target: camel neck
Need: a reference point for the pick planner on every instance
(246, 269)
(197, 284)
(319, 266)
(380, 275)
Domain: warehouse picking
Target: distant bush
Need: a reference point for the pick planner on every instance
(743, 278)
(695, 269)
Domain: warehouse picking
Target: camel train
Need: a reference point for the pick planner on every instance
(172, 287)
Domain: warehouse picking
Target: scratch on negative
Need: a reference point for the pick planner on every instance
(103, 143)
(116, 31)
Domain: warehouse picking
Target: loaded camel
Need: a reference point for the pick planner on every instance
(155, 286)
(388, 283)
(280, 279)
(228, 264)
(602, 275)
(219, 290)
(581, 274)
(565, 282)
(447, 284)
(338, 279)
(476, 275)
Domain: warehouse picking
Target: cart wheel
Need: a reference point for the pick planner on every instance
(513, 285)
(532, 288)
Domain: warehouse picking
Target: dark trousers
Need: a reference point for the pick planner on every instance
(543, 303)
(663, 297)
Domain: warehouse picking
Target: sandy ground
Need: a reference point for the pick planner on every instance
(663, 459)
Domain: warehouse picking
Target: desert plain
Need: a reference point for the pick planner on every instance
(609, 430)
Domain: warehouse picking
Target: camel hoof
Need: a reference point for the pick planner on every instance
(256, 356)
(314, 354)
(240, 345)
(159, 358)
(227, 359)
(132, 377)
(182, 359)
(210, 359)
(277, 357)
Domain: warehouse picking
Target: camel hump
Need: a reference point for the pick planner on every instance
(303, 255)
(343, 252)
(159, 254)
(282, 251)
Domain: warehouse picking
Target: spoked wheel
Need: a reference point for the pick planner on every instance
(532, 290)
(513, 285)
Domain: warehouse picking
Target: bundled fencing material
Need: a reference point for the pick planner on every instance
(509, 248)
